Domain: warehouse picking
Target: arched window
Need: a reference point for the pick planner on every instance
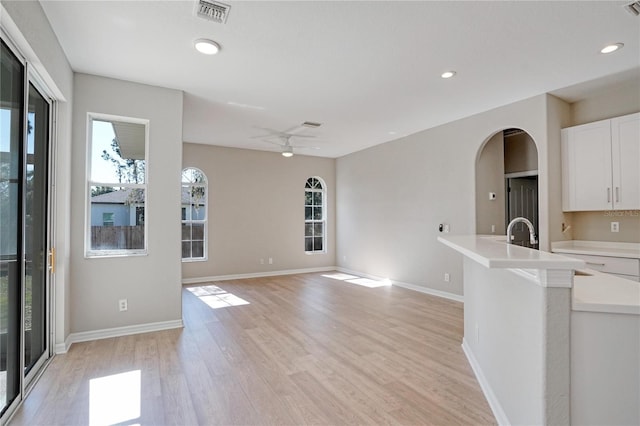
(194, 214)
(314, 216)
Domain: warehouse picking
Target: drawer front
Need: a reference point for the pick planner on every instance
(613, 265)
(628, 277)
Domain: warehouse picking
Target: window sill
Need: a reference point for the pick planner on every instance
(311, 253)
(114, 253)
(196, 259)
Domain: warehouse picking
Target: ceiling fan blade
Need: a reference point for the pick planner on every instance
(292, 135)
(277, 133)
(304, 147)
(271, 133)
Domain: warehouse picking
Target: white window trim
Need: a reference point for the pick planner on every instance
(88, 253)
(324, 215)
(205, 221)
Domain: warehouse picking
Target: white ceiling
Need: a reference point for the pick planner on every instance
(368, 71)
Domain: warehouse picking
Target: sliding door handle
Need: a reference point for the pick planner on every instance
(617, 194)
(52, 260)
(608, 195)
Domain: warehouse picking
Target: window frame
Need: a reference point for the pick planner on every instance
(88, 251)
(312, 221)
(204, 221)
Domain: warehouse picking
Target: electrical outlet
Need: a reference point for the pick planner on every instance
(446, 227)
(271, 261)
(446, 277)
(493, 229)
(262, 261)
(122, 305)
(615, 226)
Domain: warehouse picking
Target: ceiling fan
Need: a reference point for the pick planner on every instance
(283, 139)
(287, 147)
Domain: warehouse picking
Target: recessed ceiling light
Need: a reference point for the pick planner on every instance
(612, 48)
(391, 133)
(206, 46)
(448, 74)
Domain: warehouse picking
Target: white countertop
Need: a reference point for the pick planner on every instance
(494, 252)
(598, 248)
(601, 292)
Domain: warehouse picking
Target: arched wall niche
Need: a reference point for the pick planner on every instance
(508, 158)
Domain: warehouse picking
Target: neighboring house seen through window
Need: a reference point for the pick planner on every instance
(194, 214)
(314, 216)
(117, 186)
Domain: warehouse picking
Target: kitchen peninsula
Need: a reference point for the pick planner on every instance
(527, 347)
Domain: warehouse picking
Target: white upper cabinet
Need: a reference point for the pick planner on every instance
(625, 154)
(600, 165)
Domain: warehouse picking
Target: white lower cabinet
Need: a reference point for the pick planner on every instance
(620, 266)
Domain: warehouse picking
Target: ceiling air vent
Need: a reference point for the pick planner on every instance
(633, 8)
(212, 11)
(311, 124)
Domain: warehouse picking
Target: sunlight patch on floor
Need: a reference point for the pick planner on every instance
(353, 279)
(114, 399)
(215, 297)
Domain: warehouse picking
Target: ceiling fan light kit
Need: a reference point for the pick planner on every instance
(287, 151)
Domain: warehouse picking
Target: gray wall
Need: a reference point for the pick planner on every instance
(596, 226)
(392, 197)
(621, 99)
(29, 28)
(256, 210)
(151, 283)
(490, 178)
(520, 154)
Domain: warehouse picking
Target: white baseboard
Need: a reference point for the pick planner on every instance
(62, 348)
(430, 291)
(408, 286)
(107, 333)
(198, 280)
(492, 399)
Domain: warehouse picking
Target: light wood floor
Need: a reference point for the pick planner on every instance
(306, 349)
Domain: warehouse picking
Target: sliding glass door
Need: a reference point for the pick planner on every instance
(11, 158)
(25, 128)
(35, 230)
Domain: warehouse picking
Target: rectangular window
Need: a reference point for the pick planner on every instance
(107, 219)
(117, 185)
(194, 215)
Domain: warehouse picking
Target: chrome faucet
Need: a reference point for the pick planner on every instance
(532, 232)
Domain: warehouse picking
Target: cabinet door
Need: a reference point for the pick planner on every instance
(586, 161)
(625, 143)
